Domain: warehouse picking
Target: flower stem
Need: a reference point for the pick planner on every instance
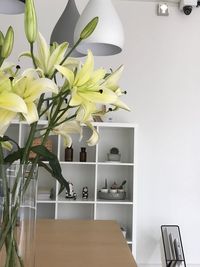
(32, 55)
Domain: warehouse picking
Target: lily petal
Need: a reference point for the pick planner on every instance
(85, 111)
(98, 75)
(84, 74)
(121, 104)
(38, 87)
(69, 75)
(32, 114)
(12, 102)
(93, 140)
(56, 57)
(5, 119)
(43, 52)
(111, 81)
(107, 96)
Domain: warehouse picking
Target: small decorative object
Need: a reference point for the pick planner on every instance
(105, 188)
(114, 193)
(121, 188)
(113, 188)
(114, 154)
(83, 154)
(71, 194)
(69, 153)
(85, 192)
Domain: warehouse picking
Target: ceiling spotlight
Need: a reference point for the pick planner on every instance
(163, 9)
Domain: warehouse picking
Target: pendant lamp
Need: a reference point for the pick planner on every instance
(64, 28)
(12, 6)
(108, 37)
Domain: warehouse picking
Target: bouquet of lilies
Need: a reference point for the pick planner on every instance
(63, 88)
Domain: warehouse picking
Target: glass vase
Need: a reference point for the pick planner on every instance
(18, 191)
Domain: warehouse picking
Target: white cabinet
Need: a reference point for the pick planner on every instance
(92, 174)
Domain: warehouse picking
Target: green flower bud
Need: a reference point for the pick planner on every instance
(30, 21)
(89, 28)
(8, 43)
(1, 39)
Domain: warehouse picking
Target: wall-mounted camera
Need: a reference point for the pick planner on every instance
(187, 5)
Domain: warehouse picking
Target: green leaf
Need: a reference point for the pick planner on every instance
(43, 152)
(55, 169)
(17, 155)
(89, 28)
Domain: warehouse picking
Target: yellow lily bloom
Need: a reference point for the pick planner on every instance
(10, 103)
(111, 82)
(85, 85)
(48, 57)
(30, 89)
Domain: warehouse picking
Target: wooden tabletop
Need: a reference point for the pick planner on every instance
(77, 243)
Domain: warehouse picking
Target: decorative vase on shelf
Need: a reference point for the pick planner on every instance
(18, 189)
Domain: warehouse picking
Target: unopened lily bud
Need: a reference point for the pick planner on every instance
(89, 28)
(8, 43)
(30, 21)
(1, 39)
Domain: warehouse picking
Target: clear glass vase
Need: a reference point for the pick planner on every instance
(18, 191)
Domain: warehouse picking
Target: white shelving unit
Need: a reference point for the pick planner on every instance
(92, 174)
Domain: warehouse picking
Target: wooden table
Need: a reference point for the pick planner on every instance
(77, 243)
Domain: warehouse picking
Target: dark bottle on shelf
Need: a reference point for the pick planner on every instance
(83, 154)
(69, 154)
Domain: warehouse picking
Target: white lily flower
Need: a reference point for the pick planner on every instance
(85, 86)
(30, 89)
(10, 103)
(67, 128)
(111, 82)
(47, 58)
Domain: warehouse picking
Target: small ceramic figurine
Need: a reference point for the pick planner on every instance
(114, 154)
(85, 192)
(71, 193)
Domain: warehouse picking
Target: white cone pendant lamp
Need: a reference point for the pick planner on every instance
(64, 29)
(108, 37)
(12, 6)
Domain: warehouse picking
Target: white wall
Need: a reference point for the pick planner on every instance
(162, 77)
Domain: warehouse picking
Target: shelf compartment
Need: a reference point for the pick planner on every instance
(13, 131)
(120, 137)
(78, 200)
(116, 174)
(75, 211)
(80, 176)
(24, 136)
(114, 202)
(45, 180)
(76, 144)
(117, 163)
(121, 213)
(45, 210)
(76, 163)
